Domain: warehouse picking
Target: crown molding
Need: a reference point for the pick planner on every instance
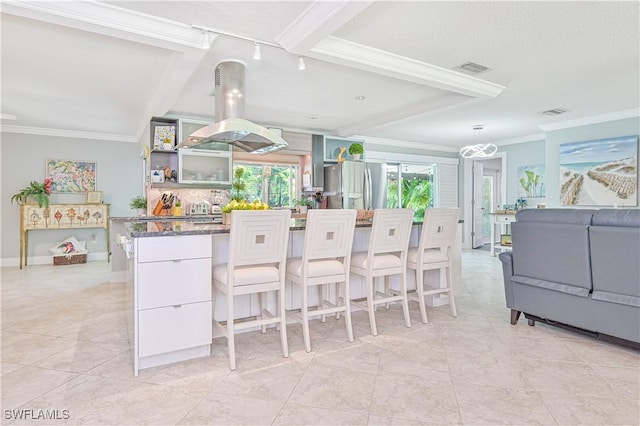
(318, 21)
(348, 53)
(75, 134)
(107, 19)
(594, 119)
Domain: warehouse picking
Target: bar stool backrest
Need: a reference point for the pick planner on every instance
(329, 233)
(439, 229)
(391, 231)
(258, 237)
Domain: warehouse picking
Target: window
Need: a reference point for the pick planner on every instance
(271, 183)
(411, 186)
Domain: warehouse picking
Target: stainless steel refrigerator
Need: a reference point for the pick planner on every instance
(355, 185)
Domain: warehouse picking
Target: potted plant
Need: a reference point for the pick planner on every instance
(356, 150)
(241, 205)
(139, 203)
(38, 191)
(238, 186)
(304, 204)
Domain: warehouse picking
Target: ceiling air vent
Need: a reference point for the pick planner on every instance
(555, 111)
(472, 68)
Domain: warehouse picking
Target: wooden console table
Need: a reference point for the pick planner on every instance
(61, 216)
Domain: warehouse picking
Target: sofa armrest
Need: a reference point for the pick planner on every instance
(507, 272)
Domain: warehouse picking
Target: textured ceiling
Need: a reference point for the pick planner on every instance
(107, 67)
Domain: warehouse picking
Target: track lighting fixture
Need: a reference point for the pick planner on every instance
(257, 55)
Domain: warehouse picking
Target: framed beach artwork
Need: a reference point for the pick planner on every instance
(71, 176)
(602, 172)
(531, 181)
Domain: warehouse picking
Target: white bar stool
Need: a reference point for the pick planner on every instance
(437, 237)
(387, 255)
(325, 261)
(257, 258)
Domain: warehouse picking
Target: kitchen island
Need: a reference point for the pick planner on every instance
(169, 284)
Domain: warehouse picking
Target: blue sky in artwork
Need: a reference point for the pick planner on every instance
(601, 150)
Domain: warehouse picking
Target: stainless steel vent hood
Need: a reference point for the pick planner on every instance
(230, 127)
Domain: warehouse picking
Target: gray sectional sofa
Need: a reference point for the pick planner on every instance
(576, 267)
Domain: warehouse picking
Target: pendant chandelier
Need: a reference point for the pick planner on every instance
(479, 150)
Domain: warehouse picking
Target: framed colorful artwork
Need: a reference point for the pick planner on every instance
(71, 176)
(531, 180)
(602, 172)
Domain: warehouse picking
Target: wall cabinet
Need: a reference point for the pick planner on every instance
(195, 168)
(205, 166)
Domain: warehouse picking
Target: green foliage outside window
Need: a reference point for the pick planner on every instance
(417, 194)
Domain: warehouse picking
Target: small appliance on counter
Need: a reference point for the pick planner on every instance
(200, 208)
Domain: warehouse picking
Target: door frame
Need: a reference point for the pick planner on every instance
(468, 188)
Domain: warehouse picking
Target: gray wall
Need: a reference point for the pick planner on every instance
(626, 127)
(523, 154)
(119, 177)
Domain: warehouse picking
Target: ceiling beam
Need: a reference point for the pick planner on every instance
(318, 21)
(355, 55)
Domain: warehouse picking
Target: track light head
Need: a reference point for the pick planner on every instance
(257, 55)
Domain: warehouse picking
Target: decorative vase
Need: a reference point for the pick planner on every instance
(226, 219)
(356, 157)
(142, 212)
(167, 146)
(303, 209)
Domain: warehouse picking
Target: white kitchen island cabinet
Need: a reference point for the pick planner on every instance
(170, 277)
(170, 287)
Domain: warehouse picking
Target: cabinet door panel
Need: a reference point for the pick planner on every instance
(173, 328)
(159, 249)
(173, 283)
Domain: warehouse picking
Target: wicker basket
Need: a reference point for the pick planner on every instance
(70, 259)
(364, 214)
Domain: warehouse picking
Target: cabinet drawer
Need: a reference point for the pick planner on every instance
(170, 329)
(173, 282)
(158, 249)
(505, 218)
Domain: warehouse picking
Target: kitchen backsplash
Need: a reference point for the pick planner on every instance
(188, 196)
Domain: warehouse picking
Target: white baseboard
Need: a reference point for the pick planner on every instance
(46, 260)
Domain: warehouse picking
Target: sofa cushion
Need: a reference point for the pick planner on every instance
(621, 299)
(627, 218)
(550, 285)
(615, 259)
(552, 252)
(569, 216)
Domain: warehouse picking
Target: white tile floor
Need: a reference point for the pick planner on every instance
(64, 347)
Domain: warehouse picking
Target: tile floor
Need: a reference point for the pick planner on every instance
(64, 347)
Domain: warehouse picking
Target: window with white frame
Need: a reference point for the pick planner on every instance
(274, 184)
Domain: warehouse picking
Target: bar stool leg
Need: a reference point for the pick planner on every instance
(263, 306)
(371, 306)
(387, 290)
(452, 303)
(305, 317)
(347, 311)
(283, 325)
(405, 300)
(420, 291)
(231, 333)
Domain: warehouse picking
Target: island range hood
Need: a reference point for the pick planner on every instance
(230, 127)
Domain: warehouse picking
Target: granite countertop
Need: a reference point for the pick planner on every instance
(162, 226)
